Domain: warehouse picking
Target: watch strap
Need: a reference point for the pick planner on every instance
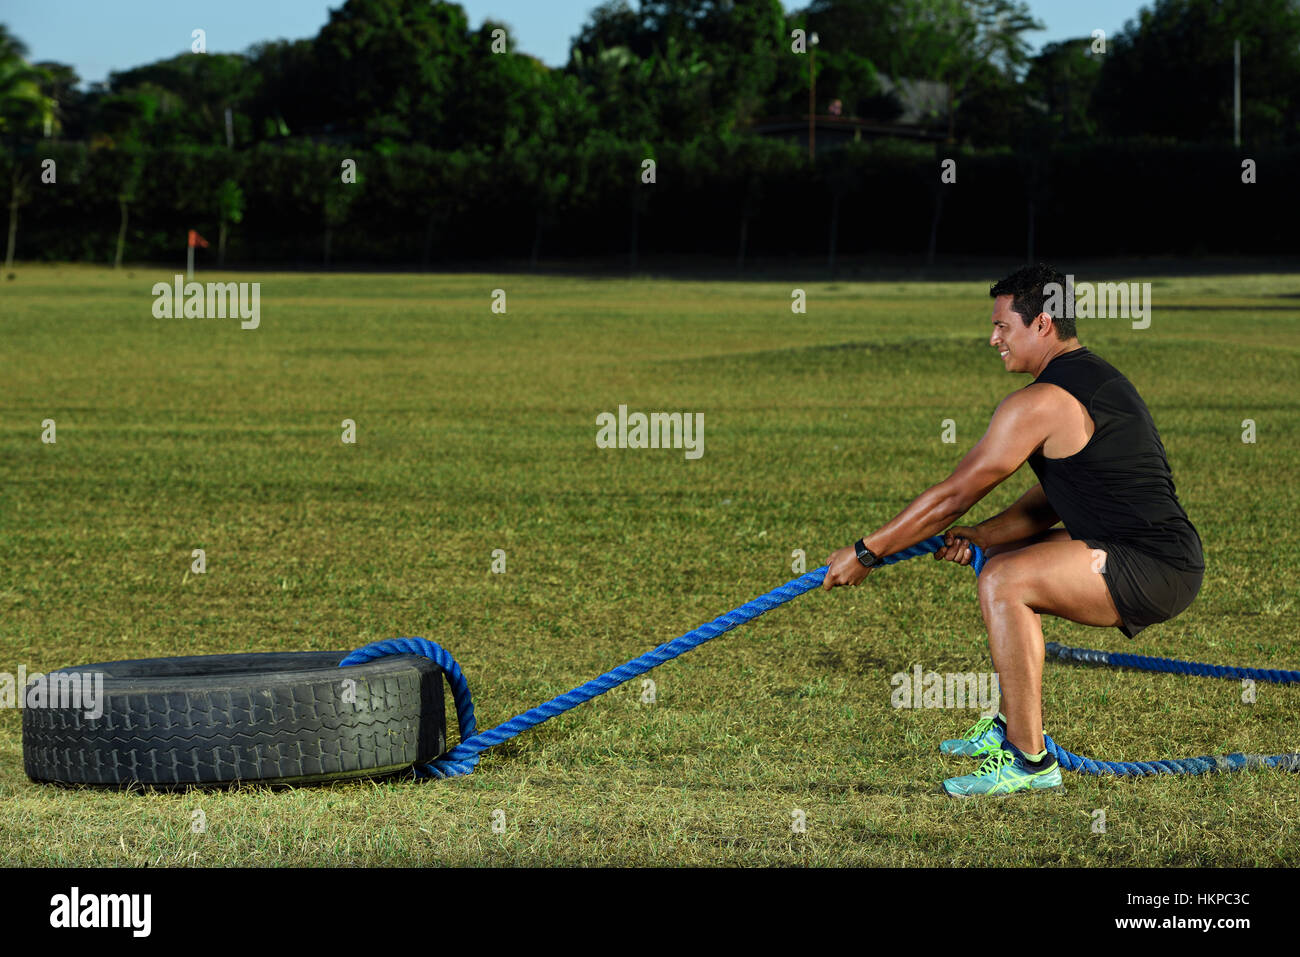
(866, 556)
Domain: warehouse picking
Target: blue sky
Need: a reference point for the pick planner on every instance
(97, 36)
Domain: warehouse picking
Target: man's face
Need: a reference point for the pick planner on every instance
(1016, 343)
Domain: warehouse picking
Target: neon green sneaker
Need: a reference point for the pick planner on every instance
(986, 734)
(1005, 772)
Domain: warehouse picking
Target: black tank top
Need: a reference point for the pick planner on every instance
(1118, 487)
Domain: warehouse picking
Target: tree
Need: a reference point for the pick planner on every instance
(192, 92)
(1061, 81)
(22, 104)
(230, 209)
(619, 85)
(549, 166)
(126, 119)
(680, 68)
(392, 67)
(443, 185)
(23, 107)
(506, 98)
(19, 184)
(59, 82)
(968, 44)
(1169, 72)
(286, 89)
(336, 200)
(743, 166)
(128, 161)
(841, 171)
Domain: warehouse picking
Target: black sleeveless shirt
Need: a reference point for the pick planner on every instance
(1118, 487)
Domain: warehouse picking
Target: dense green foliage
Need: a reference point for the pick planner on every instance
(464, 145)
(723, 197)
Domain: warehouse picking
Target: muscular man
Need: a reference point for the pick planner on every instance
(1128, 556)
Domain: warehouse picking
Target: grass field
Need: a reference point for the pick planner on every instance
(477, 431)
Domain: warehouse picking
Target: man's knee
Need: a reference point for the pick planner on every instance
(1000, 580)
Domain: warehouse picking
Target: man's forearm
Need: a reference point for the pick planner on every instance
(929, 514)
(1031, 515)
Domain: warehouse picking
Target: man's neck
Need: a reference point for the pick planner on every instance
(1068, 345)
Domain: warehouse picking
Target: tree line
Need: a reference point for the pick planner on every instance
(461, 144)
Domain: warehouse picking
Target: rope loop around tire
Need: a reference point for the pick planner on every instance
(451, 764)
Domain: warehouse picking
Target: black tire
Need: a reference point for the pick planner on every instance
(281, 718)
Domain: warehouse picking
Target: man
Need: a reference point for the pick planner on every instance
(1128, 556)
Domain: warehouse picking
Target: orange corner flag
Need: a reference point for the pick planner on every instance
(196, 239)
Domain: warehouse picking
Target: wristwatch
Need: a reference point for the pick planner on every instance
(865, 555)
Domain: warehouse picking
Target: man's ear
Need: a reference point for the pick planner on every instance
(1043, 326)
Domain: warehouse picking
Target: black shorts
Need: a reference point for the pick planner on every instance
(1146, 589)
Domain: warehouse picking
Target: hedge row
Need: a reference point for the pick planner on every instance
(413, 205)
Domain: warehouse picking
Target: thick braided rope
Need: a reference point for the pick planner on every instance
(929, 546)
(446, 767)
(1206, 764)
(1203, 765)
(1116, 659)
(464, 757)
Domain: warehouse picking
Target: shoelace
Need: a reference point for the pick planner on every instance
(978, 728)
(995, 761)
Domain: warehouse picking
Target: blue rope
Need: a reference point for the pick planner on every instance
(1206, 764)
(463, 758)
(930, 545)
(1202, 765)
(453, 764)
(1116, 659)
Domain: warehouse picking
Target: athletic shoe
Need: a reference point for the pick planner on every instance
(983, 736)
(1004, 772)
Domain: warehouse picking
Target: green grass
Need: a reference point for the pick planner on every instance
(477, 431)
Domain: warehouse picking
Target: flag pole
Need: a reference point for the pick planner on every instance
(194, 240)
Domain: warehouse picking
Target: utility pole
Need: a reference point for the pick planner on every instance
(812, 97)
(1236, 92)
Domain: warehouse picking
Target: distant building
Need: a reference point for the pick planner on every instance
(919, 111)
(924, 102)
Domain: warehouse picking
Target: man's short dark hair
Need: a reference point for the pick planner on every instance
(1027, 288)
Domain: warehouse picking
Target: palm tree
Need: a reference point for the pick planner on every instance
(22, 107)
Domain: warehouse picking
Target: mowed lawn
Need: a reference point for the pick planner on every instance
(477, 431)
